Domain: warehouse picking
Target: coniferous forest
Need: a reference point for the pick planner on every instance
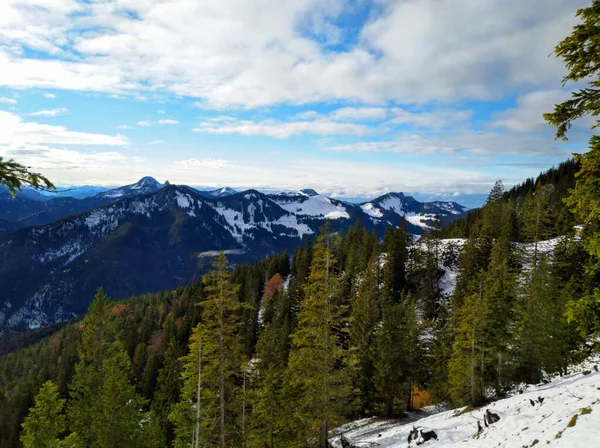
(280, 352)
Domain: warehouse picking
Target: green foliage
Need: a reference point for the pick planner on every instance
(46, 421)
(104, 409)
(15, 176)
(363, 330)
(210, 404)
(467, 364)
(398, 355)
(317, 362)
(581, 53)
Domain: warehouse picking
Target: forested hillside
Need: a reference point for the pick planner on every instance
(535, 200)
(278, 354)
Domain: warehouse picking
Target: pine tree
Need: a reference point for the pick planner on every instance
(46, 420)
(104, 409)
(210, 404)
(317, 361)
(363, 328)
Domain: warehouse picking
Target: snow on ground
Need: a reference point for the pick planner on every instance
(315, 205)
(569, 416)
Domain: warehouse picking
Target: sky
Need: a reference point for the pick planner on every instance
(351, 98)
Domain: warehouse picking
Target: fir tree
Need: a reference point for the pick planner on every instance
(317, 361)
(398, 352)
(363, 327)
(210, 407)
(466, 368)
(46, 420)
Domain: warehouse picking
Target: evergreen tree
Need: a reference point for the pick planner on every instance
(363, 328)
(398, 353)
(104, 409)
(394, 272)
(499, 296)
(168, 388)
(46, 421)
(466, 368)
(210, 404)
(579, 52)
(317, 362)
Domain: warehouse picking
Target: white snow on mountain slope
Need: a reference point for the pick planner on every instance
(312, 205)
(420, 220)
(573, 397)
(393, 203)
(452, 207)
(235, 221)
(371, 210)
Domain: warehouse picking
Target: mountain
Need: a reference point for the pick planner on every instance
(143, 243)
(79, 192)
(220, 192)
(25, 210)
(144, 186)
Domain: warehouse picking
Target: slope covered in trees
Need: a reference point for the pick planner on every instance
(273, 354)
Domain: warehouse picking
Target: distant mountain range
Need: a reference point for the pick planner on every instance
(150, 236)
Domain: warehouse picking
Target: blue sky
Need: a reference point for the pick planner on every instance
(354, 99)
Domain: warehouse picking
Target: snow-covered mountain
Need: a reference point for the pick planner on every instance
(150, 236)
(392, 207)
(220, 192)
(144, 186)
(565, 413)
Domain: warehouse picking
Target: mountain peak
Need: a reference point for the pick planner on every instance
(146, 182)
(309, 192)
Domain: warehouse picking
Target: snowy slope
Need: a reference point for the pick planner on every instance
(520, 425)
(310, 203)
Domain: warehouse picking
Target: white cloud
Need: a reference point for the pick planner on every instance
(145, 123)
(282, 129)
(161, 112)
(5, 100)
(123, 126)
(239, 53)
(156, 142)
(359, 113)
(50, 96)
(50, 112)
(201, 163)
(527, 116)
(16, 131)
(436, 120)
(51, 161)
(471, 142)
(341, 178)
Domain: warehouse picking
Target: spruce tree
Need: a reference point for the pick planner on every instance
(363, 328)
(398, 355)
(317, 365)
(46, 420)
(210, 406)
(466, 368)
(104, 409)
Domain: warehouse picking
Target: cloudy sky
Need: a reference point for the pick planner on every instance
(353, 98)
